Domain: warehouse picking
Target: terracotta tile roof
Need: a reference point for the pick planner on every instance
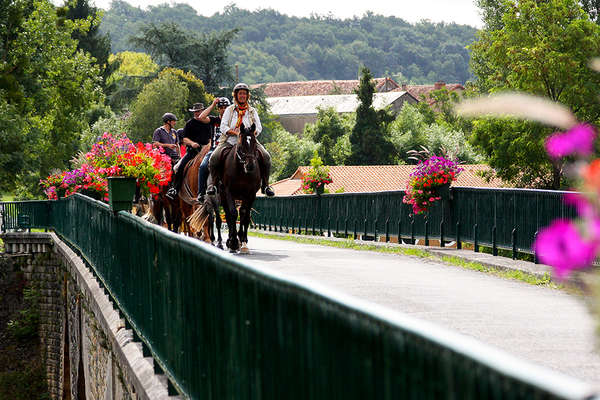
(420, 91)
(377, 178)
(314, 88)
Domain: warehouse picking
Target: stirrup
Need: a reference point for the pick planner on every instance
(171, 193)
(268, 190)
(212, 190)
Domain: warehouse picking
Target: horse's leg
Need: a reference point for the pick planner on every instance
(244, 222)
(218, 223)
(231, 215)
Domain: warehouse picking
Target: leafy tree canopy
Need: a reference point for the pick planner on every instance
(275, 47)
(48, 87)
(540, 47)
(203, 54)
(369, 139)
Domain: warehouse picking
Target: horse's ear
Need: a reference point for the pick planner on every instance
(253, 127)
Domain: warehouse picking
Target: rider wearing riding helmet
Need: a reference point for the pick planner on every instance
(167, 137)
(233, 117)
(215, 125)
(196, 133)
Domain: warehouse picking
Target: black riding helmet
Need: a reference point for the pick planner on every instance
(169, 117)
(223, 102)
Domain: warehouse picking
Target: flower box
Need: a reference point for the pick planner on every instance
(121, 191)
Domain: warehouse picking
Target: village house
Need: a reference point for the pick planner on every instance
(378, 178)
(294, 112)
(296, 103)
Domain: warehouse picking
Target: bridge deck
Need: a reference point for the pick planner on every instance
(546, 326)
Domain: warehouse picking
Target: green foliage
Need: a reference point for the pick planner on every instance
(167, 93)
(370, 143)
(288, 152)
(131, 71)
(541, 48)
(412, 131)
(197, 93)
(332, 132)
(515, 150)
(89, 39)
(275, 47)
(50, 86)
(204, 54)
(25, 325)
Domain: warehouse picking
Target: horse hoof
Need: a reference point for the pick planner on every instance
(220, 246)
(244, 249)
(233, 251)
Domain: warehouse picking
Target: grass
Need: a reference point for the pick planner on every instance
(531, 279)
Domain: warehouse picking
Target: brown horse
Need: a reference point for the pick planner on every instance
(189, 191)
(161, 206)
(240, 180)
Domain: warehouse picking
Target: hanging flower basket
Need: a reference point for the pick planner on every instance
(121, 190)
(320, 189)
(443, 191)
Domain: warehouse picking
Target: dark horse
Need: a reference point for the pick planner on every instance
(160, 205)
(240, 180)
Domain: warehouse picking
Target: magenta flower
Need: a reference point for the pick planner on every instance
(562, 247)
(578, 140)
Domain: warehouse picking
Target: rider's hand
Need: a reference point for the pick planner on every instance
(215, 101)
(196, 145)
(235, 131)
(173, 146)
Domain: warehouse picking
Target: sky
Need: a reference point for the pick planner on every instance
(459, 11)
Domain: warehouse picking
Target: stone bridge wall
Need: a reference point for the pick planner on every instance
(89, 354)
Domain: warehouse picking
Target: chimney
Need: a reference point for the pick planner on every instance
(404, 87)
(439, 85)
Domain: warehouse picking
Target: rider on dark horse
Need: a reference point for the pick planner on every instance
(234, 116)
(196, 133)
(215, 126)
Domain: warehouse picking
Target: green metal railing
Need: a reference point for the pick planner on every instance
(221, 328)
(499, 218)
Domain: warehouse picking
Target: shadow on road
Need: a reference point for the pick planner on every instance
(262, 256)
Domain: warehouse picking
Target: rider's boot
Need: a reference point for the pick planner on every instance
(265, 172)
(213, 176)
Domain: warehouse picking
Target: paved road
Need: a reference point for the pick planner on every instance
(542, 325)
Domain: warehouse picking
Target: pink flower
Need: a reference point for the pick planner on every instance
(578, 140)
(562, 247)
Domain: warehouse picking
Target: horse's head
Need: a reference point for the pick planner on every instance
(246, 149)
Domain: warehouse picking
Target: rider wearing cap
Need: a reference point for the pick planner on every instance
(215, 126)
(233, 117)
(167, 137)
(196, 133)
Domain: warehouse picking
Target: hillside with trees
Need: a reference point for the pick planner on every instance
(271, 46)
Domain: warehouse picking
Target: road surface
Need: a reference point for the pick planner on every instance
(546, 326)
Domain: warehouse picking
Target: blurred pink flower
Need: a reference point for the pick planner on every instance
(561, 246)
(579, 139)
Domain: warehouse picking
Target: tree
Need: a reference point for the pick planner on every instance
(131, 71)
(51, 87)
(326, 131)
(89, 39)
(370, 144)
(167, 93)
(542, 47)
(205, 55)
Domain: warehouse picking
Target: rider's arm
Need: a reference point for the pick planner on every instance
(204, 115)
(257, 122)
(190, 143)
(225, 128)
